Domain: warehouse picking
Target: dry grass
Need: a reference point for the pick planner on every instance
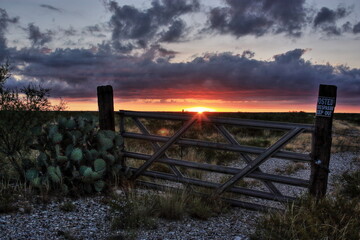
(14, 196)
(301, 143)
(140, 209)
(334, 217)
(344, 127)
(346, 137)
(345, 144)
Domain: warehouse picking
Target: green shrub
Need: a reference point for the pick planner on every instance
(21, 112)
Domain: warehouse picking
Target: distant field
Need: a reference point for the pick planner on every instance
(295, 117)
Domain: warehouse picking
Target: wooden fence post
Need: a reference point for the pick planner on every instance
(106, 107)
(321, 143)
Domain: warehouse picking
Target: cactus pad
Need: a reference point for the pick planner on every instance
(61, 159)
(42, 159)
(57, 138)
(70, 124)
(83, 169)
(109, 158)
(118, 140)
(104, 143)
(108, 134)
(99, 166)
(62, 122)
(52, 129)
(31, 174)
(54, 174)
(76, 155)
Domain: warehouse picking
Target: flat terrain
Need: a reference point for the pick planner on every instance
(91, 216)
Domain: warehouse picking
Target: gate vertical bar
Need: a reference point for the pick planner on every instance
(106, 107)
(321, 144)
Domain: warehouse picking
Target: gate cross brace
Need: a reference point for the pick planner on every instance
(156, 146)
(160, 152)
(247, 159)
(259, 160)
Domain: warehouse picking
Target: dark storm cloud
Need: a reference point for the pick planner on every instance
(60, 58)
(291, 17)
(166, 52)
(347, 27)
(290, 56)
(256, 18)
(142, 26)
(326, 20)
(37, 37)
(288, 77)
(326, 15)
(159, 54)
(5, 20)
(356, 28)
(248, 54)
(50, 7)
(174, 33)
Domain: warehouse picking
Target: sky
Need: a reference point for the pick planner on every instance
(170, 55)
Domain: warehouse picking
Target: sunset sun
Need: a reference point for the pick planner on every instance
(200, 109)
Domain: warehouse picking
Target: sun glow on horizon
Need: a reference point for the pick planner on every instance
(199, 109)
(91, 104)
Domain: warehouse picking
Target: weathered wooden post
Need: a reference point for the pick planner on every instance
(106, 107)
(321, 144)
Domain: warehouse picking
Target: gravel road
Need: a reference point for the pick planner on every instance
(91, 219)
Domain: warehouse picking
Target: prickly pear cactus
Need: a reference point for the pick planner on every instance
(75, 155)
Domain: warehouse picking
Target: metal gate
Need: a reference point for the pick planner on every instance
(252, 156)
